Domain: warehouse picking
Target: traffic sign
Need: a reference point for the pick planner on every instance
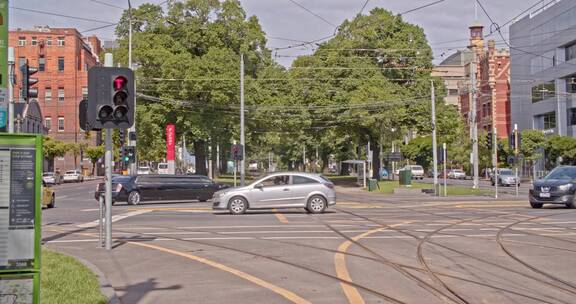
(3, 116)
(394, 156)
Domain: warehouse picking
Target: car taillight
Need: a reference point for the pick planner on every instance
(118, 187)
(329, 185)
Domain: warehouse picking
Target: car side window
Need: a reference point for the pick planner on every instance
(301, 180)
(276, 181)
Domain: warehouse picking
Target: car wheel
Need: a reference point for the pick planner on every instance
(316, 204)
(536, 205)
(134, 198)
(237, 205)
(570, 205)
(52, 202)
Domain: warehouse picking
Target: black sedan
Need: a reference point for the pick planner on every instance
(138, 188)
(558, 187)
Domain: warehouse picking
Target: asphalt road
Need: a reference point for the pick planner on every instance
(369, 249)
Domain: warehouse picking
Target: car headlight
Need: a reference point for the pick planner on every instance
(565, 187)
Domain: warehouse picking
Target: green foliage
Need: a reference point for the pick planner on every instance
(94, 153)
(533, 143)
(561, 146)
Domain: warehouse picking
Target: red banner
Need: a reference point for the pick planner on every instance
(170, 141)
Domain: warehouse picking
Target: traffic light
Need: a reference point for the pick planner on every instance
(122, 136)
(111, 97)
(489, 140)
(131, 154)
(237, 152)
(27, 82)
(124, 154)
(512, 140)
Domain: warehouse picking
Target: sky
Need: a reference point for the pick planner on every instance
(288, 22)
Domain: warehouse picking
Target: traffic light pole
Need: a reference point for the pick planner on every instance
(133, 167)
(495, 160)
(242, 139)
(108, 62)
(516, 152)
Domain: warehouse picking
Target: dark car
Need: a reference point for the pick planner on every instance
(557, 187)
(138, 188)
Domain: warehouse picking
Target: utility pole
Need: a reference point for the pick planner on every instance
(242, 139)
(434, 143)
(516, 153)
(474, 125)
(304, 158)
(132, 130)
(444, 155)
(108, 62)
(495, 160)
(11, 81)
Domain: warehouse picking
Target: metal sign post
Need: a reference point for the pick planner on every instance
(495, 161)
(444, 158)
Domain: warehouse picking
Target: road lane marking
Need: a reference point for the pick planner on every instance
(292, 297)
(281, 218)
(115, 218)
(352, 294)
(88, 210)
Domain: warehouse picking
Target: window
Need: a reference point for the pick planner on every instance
(41, 64)
(61, 41)
(60, 64)
(276, 181)
(60, 124)
(21, 61)
(48, 123)
(21, 41)
(549, 120)
(301, 180)
(48, 41)
(571, 51)
(453, 92)
(573, 116)
(543, 91)
(571, 84)
(34, 40)
(61, 94)
(85, 93)
(48, 94)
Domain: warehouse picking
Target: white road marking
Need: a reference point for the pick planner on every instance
(89, 210)
(115, 218)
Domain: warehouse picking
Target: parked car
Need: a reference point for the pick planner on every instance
(73, 176)
(558, 187)
(48, 196)
(457, 174)
(52, 178)
(506, 177)
(163, 168)
(417, 171)
(135, 189)
(143, 170)
(313, 192)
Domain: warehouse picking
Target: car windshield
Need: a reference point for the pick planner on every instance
(143, 168)
(506, 172)
(121, 179)
(325, 179)
(48, 174)
(417, 168)
(163, 166)
(562, 173)
(71, 172)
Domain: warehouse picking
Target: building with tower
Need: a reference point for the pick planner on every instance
(492, 89)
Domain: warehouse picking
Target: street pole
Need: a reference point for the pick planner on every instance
(495, 160)
(132, 130)
(242, 138)
(108, 62)
(434, 143)
(444, 154)
(100, 221)
(235, 167)
(474, 127)
(304, 158)
(517, 180)
(11, 90)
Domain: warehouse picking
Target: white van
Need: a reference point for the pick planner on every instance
(163, 168)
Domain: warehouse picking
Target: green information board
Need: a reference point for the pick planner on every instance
(20, 217)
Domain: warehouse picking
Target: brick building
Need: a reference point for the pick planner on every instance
(492, 85)
(63, 57)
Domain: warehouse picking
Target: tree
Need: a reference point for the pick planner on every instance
(560, 147)
(94, 153)
(53, 148)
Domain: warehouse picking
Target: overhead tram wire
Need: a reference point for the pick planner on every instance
(107, 4)
(421, 7)
(60, 15)
(313, 13)
(522, 13)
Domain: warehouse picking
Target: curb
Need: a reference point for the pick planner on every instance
(105, 287)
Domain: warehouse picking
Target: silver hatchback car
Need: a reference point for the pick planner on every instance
(279, 190)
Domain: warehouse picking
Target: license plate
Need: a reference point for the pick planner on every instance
(547, 195)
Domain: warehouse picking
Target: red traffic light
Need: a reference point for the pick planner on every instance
(120, 82)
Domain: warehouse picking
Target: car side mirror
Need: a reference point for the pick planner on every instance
(259, 186)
